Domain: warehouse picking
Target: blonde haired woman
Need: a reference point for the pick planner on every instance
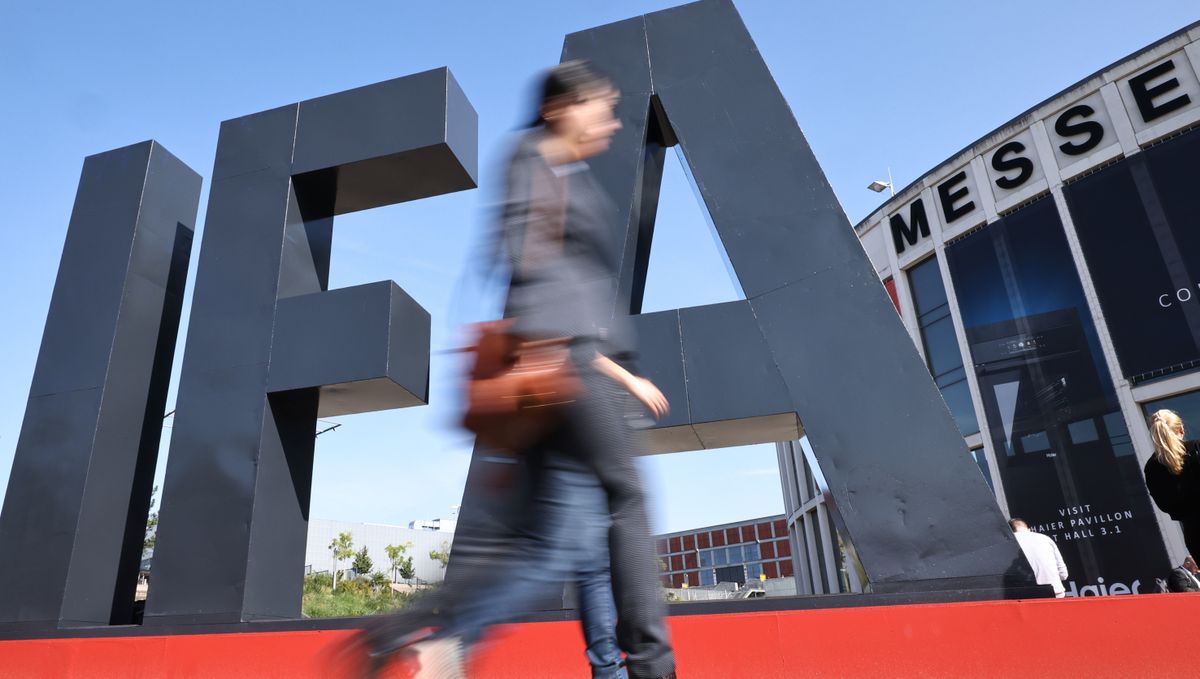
(1173, 475)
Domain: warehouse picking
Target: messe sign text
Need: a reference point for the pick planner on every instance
(1167, 89)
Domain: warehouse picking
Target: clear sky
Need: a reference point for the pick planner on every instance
(874, 85)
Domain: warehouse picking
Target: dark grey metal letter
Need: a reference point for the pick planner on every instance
(269, 348)
(75, 512)
(817, 340)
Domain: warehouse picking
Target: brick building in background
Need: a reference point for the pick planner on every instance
(731, 552)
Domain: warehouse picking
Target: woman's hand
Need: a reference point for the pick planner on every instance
(641, 388)
(650, 396)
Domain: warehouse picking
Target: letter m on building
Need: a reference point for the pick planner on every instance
(916, 228)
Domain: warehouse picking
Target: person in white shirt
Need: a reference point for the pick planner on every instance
(1042, 553)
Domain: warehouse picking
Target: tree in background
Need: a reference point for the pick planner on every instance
(342, 547)
(441, 556)
(400, 563)
(407, 570)
(362, 562)
(151, 526)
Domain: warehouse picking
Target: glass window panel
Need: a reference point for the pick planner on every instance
(718, 557)
(734, 554)
(950, 377)
(1136, 221)
(824, 568)
(958, 400)
(735, 573)
(1186, 405)
(1083, 431)
(750, 552)
(806, 566)
(1037, 357)
(707, 577)
(706, 558)
(810, 480)
(941, 344)
(754, 570)
(930, 317)
(926, 282)
(1036, 442)
(981, 459)
(1119, 434)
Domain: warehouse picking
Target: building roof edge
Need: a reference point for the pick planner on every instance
(969, 149)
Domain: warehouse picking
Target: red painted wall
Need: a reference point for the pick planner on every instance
(1098, 637)
(890, 285)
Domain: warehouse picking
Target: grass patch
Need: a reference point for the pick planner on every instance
(353, 598)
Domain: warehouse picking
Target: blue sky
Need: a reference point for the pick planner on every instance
(873, 85)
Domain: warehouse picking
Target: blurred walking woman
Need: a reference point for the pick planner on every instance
(1173, 475)
(558, 237)
(563, 241)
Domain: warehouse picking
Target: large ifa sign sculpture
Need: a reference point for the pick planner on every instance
(815, 347)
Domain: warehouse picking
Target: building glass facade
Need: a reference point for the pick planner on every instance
(732, 552)
(1062, 447)
(1145, 209)
(823, 562)
(1187, 405)
(1058, 258)
(941, 346)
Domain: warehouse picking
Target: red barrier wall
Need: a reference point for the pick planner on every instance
(1123, 636)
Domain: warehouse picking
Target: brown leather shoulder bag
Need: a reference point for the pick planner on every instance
(517, 389)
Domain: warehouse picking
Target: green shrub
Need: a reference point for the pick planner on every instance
(354, 597)
(357, 585)
(317, 581)
(345, 603)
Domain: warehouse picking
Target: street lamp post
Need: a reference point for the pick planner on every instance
(878, 186)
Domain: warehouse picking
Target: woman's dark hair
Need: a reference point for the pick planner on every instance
(570, 81)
